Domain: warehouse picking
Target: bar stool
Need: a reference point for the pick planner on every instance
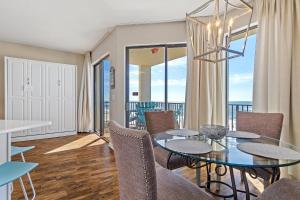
(21, 150)
(11, 171)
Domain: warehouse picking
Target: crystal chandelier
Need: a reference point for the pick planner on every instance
(219, 26)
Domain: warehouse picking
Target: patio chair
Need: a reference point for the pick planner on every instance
(141, 108)
(139, 178)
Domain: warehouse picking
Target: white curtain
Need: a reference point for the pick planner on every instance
(205, 94)
(85, 107)
(277, 65)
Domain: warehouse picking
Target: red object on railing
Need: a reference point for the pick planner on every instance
(154, 50)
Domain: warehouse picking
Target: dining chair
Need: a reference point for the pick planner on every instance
(158, 122)
(282, 189)
(265, 124)
(20, 151)
(139, 177)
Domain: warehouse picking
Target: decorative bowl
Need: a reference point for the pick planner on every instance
(215, 132)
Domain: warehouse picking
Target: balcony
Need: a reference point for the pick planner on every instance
(136, 118)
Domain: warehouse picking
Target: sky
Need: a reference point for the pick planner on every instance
(241, 71)
(240, 76)
(176, 81)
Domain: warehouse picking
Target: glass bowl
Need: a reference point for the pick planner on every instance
(215, 132)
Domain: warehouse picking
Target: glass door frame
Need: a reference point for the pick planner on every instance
(127, 49)
(102, 125)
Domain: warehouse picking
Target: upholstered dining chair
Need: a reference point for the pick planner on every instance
(157, 122)
(283, 189)
(265, 124)
(139, 178)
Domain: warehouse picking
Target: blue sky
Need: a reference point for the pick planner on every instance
(241, 71)
(176, 81)
(240, 76)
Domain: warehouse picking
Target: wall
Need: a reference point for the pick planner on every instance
(131, 35)
(35, 53)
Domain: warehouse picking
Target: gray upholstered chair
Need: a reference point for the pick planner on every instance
(266, 124)
(283, 189)
(157, 122)
(139, 179)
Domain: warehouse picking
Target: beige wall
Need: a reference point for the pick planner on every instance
(122, 36)
(35, 53)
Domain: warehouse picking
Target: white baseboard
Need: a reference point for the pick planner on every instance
(42, 136)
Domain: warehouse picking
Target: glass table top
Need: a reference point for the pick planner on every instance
(226, 152)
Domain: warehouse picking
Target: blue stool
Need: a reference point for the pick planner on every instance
(21, 150)
(11, 171)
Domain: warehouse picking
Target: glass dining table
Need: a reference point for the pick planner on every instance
(226, 156)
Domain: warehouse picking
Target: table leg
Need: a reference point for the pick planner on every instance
(234, 190)
(5, 142)
(247, 191)
(198, 173)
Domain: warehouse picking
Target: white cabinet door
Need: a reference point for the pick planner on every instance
(68, 98)
(16, 91)
(36, 94)
(53, 97)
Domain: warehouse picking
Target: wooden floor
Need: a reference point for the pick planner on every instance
(78, 168)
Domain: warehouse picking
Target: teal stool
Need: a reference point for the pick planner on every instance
(11, 171)
(21, 150)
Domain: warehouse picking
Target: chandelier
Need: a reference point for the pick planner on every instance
(219, 25)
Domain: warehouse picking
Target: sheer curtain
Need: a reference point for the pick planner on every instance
(205, 93)
(277, 65)
(85, 103)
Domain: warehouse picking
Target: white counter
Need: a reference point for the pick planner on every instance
(6, 128)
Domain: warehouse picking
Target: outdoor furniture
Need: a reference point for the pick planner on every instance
(141, 108)
(158, 122)
(226, 156)
(20, 151)
(138, 176)
(266, 124)
(11, 171)
(282, 189)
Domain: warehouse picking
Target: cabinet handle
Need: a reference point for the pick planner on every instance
(28, 81)
(58, 82)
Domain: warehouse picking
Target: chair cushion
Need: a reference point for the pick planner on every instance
(171, 186)
(161, 156)
(282, 189)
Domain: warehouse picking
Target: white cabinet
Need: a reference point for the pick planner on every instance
(37, 90)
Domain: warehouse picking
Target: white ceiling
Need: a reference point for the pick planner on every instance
(78, 25)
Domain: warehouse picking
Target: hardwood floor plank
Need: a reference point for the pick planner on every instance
(80, 167)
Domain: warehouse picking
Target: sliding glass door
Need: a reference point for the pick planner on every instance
(155, 81)
(102, 97)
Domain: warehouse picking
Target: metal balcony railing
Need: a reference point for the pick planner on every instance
(137, 121)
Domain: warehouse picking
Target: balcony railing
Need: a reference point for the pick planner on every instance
(137, 121)
(233, 109)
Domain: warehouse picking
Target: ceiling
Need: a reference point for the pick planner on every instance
(78, 25)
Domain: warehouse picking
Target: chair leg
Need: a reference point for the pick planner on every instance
(32, 187)
(198, 174)
(218, 179)
(266, 183)
(242, 177)
(29, 179)
(23, 188)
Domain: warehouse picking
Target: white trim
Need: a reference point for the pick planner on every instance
(42, 136)
(100, 58)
